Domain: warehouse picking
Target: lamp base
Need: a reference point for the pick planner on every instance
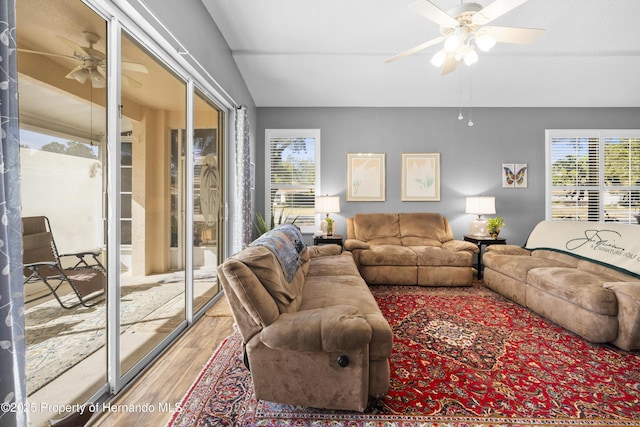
(478, 227)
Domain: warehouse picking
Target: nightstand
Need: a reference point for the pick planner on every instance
(483, 241)
(334, 239)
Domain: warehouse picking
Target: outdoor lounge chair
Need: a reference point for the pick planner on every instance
(42, 263)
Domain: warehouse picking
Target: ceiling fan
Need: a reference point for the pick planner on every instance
(463, 28)
(93, 63)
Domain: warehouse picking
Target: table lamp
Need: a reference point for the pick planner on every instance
(480, 205)
(327, 205)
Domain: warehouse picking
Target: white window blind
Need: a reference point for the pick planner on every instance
(293, 167)
(593, 175)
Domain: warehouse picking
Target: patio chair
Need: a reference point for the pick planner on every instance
(42, 263)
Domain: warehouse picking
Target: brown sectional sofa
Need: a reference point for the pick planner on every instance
(409, 249)
(313, 333)
(584, 276)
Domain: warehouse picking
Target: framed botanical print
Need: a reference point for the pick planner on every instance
(366, 177)
(421, 177)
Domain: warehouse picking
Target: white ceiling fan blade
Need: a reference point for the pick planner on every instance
(74, 46)
(515, 35)
(495, 10)
(71, 73)
(131, 82)
(433, 13)
(37, 52)
(448, 65)
(414, 49)
(134, 66)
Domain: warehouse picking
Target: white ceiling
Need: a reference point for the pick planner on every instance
(331, 53)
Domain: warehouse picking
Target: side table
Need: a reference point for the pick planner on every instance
(334, 239)
(483, 241)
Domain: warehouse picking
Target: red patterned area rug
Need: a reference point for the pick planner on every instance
(462, 357)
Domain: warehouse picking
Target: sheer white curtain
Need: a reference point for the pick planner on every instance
(12, 347)
(242, 224)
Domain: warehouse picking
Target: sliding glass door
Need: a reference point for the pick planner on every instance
(131, 168)
(207, 198)
(62, 100)
(152, 290)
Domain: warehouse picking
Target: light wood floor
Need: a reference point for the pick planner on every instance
(168, 379)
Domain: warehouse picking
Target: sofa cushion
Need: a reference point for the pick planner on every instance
(517, 266)
(264, 264)
(567, 259)
(285, 247)
(331, 329)
(388, 255)
(432, 256)
(330, 291)
(603, 270)
(578, 287)
(377, 228)
(333, 265)
(423, 229)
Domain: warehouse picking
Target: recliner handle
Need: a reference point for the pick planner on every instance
(343, 361)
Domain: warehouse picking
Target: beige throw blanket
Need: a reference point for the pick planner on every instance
(611, 244)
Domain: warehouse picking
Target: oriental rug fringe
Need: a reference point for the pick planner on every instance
(462, 357)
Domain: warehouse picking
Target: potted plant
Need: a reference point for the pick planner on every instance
(493, 226)
(261, 225)
(329, 226)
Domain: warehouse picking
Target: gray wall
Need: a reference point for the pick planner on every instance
(470, 157)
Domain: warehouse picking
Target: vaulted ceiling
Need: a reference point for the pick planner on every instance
(332, 52)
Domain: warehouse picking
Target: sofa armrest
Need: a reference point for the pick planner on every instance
(507, 250)
(324, 250)
(630, 289)
(351, 244)
(460, 245)
(331, 329)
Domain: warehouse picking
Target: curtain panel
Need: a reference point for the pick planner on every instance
(242, 225)
(12, 346)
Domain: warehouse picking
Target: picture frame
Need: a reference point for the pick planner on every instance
(366, 176)
(514, 175)
(421, 177)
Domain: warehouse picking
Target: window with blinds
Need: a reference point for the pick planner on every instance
(593, 175)
(293, 174)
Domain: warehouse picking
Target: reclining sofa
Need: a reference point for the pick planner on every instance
(409, 249)
(313, 333)
(584, 276)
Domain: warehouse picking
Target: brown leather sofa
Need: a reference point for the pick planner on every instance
(584, 276)
(312, 331)
(409, 249)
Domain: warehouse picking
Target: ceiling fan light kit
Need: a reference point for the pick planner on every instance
(463, 28)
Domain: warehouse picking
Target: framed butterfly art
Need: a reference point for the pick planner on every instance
(514, 175)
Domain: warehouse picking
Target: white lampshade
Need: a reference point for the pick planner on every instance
(328, 204)
(480, 205)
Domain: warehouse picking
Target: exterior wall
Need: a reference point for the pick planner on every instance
(75, 213)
